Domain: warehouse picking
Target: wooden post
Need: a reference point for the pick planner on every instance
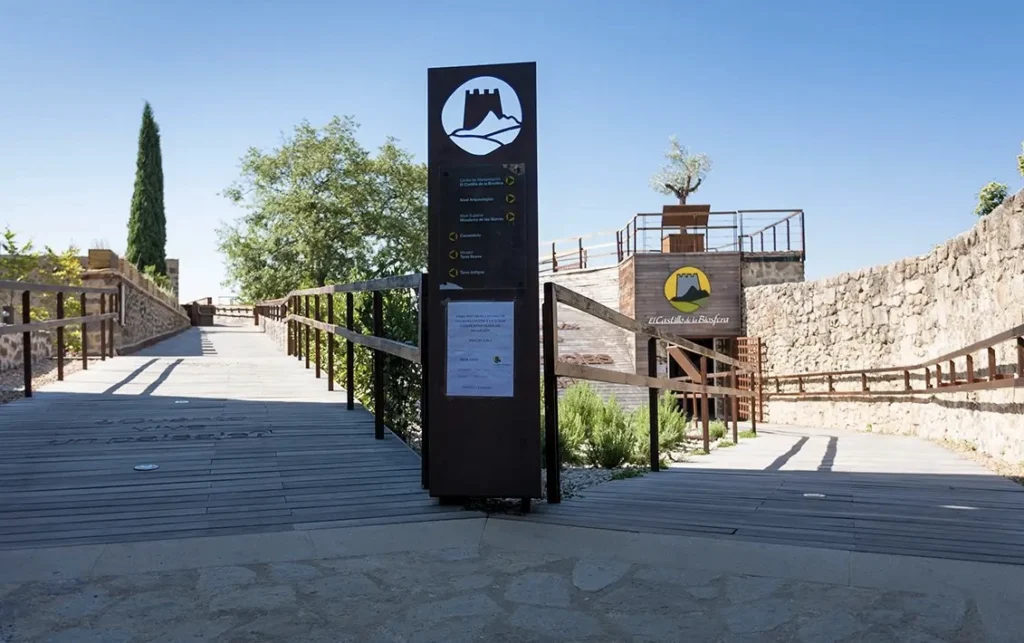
(551, 451)
(831, 384)
(993, 367)
(26, 340)
(554, 258)
(970, 370)
(350, 377)
(952, 373)
(60, 338)
(305, 327)
(753, 405)
(927, 378)
(938, 376)
(734, 403)
(316, 316)
(1020, 357)
(581, 252)
(103, 328)
(330, 343)
(85, 336)
(114, 303)
(705, 428)
(652, 400)
(906, 381)
(864, 381)
(424, 344)
(298, 328)
(799, 384)
(378, 367)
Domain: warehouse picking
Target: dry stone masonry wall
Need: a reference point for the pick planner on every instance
(965, 290)
(11, 349)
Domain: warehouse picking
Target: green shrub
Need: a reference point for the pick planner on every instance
(612, 441)
(582, 401)
(671, 422)
(747, 435)
(717, 430)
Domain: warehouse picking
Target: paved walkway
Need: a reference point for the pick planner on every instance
(246, 440)
(821, 488)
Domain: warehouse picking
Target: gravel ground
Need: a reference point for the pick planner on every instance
(44, 371)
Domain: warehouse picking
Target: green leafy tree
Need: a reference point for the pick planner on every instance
(147, 224)
(989, 198)
(1020, 160)
(683, 173)
(322, 209)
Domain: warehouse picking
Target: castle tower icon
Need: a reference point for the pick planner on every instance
(478, 105)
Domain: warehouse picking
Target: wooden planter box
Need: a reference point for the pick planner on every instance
(683, 242)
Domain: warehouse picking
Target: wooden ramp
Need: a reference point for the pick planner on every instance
(819, 488)
(245, 438)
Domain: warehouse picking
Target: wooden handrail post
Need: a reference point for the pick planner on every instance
(424, 344)
(551, 450)
(754, 398)
(970, 370)
(26, 340)
(705, 428)
(298, 327)
(103, 328)
(554, 258)
(906, 381)
(652, 400)
(831, 384)
(993, 367)
(938, 376)
(330, 343)
(800, 385)
(114, 303)
(350, 377)
(582, 264)
(734, 403)
(60, 338)
(1020, 357)
(927, 378)
(378, 367)
(864, 382)
(305, 327)
(952, 373)
(316, 338)
(85, 336)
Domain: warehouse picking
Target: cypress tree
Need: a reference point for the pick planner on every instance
(147, 225)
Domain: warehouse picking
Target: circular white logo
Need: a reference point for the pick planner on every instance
(482, 115)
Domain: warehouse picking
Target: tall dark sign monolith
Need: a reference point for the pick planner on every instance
(483, 395)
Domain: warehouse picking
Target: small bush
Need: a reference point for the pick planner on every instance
(747, 434)
(717, 430)
(726, 443)
(613, 440)
(582, 400)
(628, 472)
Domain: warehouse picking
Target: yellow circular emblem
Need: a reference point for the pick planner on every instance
(687, 289)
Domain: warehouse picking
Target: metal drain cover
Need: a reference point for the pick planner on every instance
(147, 467)
(814, 495)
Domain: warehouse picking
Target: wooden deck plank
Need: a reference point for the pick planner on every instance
(246, 439)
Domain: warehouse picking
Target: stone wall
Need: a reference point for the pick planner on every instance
(148, 316)
(276, 330)
(11, 350)
(919, 308)
(766, 268)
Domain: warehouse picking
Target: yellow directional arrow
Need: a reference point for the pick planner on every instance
(510, 198)
(454, 272)
(510, 216)
(510, 180)
(453, 236)
(454, 254)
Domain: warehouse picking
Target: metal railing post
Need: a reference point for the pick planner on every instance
(26, 340)
(103, 328)
(330, 343)
(114, 302)
(350, 385)
(705, 428)
(552, 460)
(652, 400)
(305, 328)
(378, 367)
(60, 338)
(85, 336)
(735, 405)
(316, 334)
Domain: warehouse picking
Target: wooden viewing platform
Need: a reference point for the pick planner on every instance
(246, 441)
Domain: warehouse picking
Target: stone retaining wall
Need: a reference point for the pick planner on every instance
(147, 317)
(11, 348)
(276, 330)
(965, 290)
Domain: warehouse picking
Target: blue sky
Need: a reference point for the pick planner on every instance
(880, 119)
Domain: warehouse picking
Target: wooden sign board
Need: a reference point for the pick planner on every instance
(483, 398)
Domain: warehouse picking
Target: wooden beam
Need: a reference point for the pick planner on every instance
(407, 352)
(53, 323)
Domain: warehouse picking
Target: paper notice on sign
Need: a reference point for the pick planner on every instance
(481, 345)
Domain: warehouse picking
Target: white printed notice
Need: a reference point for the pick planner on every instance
(481, 344)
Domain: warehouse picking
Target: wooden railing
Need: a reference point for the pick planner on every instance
(900, 380)
(109, 298)
(555, 294)
(306, 322)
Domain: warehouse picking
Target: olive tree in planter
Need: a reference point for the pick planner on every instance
(683, 172)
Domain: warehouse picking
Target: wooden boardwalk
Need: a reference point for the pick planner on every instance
(246, 441)
(819, 488)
